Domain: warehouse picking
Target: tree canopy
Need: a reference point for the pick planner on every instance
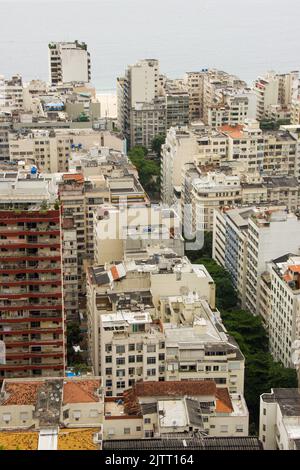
(149, 170)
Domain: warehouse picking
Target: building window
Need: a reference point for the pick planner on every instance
(131, 370)
(120, 361)
(138, 428)
(108, 371)
(120, 384)
(264, 411)
(264, 427)
(161, 357)
(151, 348)
(139, 358)
(121, 373)
(120, 349)
(108, 383)
(108, 359)
(139, 346)
(147, 420)
(151, 372)
(131, 359)
(151, 360)
(131, 347)
(239, 428)
(126, 430)
(108, 348)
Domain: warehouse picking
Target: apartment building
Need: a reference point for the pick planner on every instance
(132, 348)
(50, 150)
(273, 90)
(217, 83)
(270, 234)
(230, 244)
(147, 120)
(160, 271)
(69, 62)
(233, 108)
(179, 148)
(194, 84)
(32, 312)
(5, 128)
(70, 272)
(197, 344)
(207, 192)
(284, 314)
(11, 93)
(52, 413)
(279, 419)
(139, 85)
(137, 228)
(160, 410)
(177, 107)
(244, 240)
(295, 112)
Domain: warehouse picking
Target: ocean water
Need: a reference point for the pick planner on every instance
(245, 37)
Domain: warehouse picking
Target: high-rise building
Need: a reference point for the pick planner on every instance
(69, 62)
(31, 293)
(139, 85)
(275, 90)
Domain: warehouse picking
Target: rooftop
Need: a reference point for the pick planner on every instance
(190, 443)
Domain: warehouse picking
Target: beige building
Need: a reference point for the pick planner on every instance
(52, 414)
(279, 420)
(117, 230)
(152, 410)
(69, 62)
(275, 90)
(51, 150)
(139, 284)
(284, 312)
(147, 120)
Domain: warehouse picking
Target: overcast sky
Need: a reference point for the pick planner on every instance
(246, 37)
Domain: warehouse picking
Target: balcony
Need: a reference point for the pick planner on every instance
(27, 331)
(31, 282)
(17, 244)
(6, 256)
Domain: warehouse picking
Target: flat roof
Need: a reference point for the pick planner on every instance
(172, 413)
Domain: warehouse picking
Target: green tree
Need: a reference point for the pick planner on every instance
(156, 144)
(149, 170)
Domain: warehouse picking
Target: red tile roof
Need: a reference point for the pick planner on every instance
(233, 131)
(73, 177)
(175, 389)
(22, 393)
(81, 391)
(223, 403)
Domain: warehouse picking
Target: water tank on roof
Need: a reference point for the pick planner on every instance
(33, 170)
